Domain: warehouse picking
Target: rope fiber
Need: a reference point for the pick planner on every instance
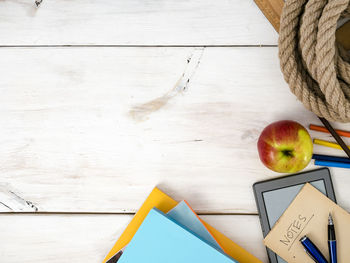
(314, 65)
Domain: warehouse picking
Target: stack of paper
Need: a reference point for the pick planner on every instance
(161, 239)
(179, 236)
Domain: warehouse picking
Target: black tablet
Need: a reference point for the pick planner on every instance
(274, 196)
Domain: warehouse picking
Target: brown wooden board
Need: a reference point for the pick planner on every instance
(272, 9)
(343, 35)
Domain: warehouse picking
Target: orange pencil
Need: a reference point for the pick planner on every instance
(323, 129)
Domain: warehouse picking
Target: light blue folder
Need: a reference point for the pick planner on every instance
(162, 240)
(184, 215)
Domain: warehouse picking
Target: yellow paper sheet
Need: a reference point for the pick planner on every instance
(165, 203)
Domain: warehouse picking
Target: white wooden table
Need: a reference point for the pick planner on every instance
(103, 100)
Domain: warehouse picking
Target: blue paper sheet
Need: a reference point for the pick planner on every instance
(184, 215)
(162, 240)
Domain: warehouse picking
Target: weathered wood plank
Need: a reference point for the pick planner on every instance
(134, 22)
(95, 129)
(88, 238)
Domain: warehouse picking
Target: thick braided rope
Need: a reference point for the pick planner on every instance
(315, 67)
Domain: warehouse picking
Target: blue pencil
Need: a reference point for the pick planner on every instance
(330, 158)
(332, 164)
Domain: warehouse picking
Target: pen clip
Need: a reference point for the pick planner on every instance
(311, 256)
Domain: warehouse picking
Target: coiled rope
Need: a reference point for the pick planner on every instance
(314, 65)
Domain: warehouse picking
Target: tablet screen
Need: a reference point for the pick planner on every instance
(277, 201)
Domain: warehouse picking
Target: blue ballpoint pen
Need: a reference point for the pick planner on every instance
(312, 250)
(332, 243)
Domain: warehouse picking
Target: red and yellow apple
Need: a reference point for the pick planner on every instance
(285, 147)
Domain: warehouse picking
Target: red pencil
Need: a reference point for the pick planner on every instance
(323, 129)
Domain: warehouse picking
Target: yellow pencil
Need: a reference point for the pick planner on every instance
(328, 144)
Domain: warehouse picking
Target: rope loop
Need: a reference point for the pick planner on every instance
(314, 65)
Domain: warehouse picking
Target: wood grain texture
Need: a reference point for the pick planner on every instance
(272, 9)
(71, 142)
(94, 129)
(88, 238)
(134, 22)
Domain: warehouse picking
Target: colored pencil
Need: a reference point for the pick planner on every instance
(327, 144)
(321, 157)
(318, 128)
(332, 164)
(336, 136)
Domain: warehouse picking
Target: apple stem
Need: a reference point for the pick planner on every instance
(288, 153)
